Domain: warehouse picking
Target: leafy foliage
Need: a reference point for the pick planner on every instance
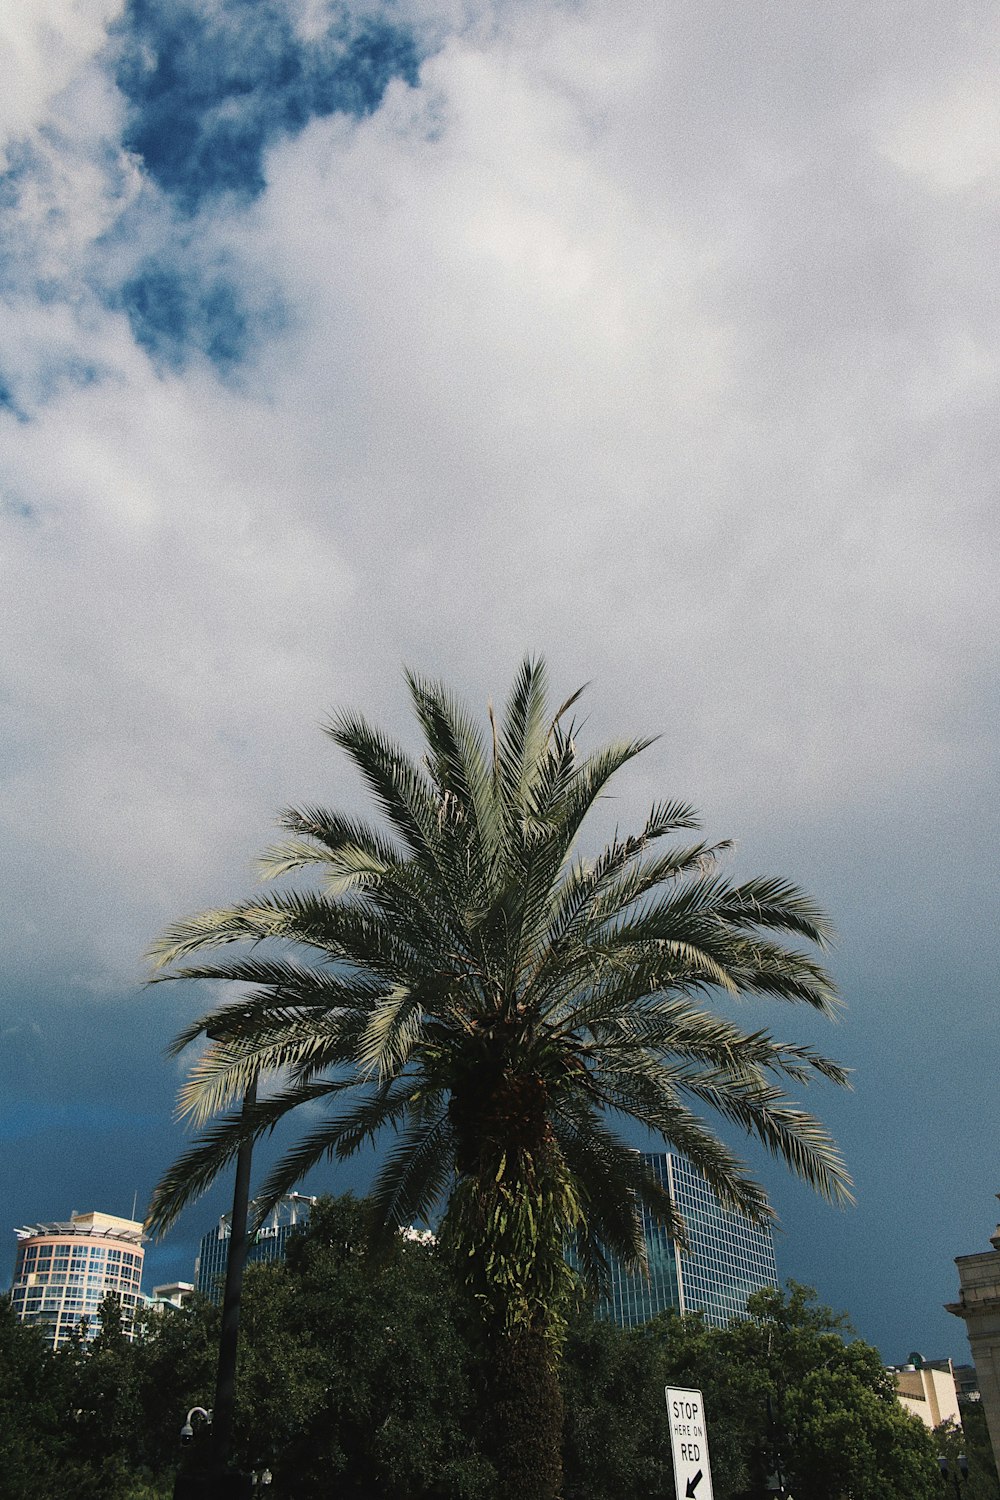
(361, 1376)
(72, 1422)
(33, 1459)
(356, 1376)
(783, 1390)
(973, 1440)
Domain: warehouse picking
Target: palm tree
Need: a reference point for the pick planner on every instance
(464, 981)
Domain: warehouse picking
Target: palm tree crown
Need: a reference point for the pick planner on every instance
(463, 978)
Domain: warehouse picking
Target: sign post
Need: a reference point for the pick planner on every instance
(689, 1445)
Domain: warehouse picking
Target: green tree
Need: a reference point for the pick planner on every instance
(835, 1424)
(357, 1378)
(104, 1386)
(617, 1433)
(784, 1391)
(69, 1423)
(496, 1000)
(972, 1439)
(175, 1358)
(33, 1443)
(104, 1400)
(616, 1441)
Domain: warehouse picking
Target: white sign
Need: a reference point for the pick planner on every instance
(689, 1445)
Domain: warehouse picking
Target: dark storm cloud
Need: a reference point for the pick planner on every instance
(208, 91)
(32, 1119)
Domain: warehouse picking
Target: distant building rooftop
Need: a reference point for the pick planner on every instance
(172, 1293)
(64, 1269)
(89, 1223)
(927, 1388)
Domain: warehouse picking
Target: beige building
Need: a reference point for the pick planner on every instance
(172, 1294)
(64, 1271)
(929, 1392)
(979, 1306)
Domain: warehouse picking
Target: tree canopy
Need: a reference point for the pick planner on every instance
(787, 1395)
(464, 978)
(362, 1376)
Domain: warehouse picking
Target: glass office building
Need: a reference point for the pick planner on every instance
(727, 1259)
(268, 1243)
(63, 1272)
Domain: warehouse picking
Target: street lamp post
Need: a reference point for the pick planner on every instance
(775, 1481)
(225, 1384)
(227, 1484)
(223, 1481)
(960, 1475)
(187, 1431)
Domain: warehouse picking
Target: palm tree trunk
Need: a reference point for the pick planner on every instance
(528, 1408)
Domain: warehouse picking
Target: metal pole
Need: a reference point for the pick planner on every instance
(225, 1386)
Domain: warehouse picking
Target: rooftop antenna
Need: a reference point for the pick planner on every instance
(135, 1196)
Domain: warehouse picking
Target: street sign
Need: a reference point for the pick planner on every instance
(689, 1445)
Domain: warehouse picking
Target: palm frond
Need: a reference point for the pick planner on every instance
(397, 784)
(522, 740)
(250, 921)
(777, 904)
(414, 1175)
(614, 881)
(334, 831)
(467, 959)
(674, 1026)
(609, 1175)
(787, 1131)
(195, 1171)
(303, 1047)
(293, 991)
(654, 1100)
(391, 1032)
(459, 763)
(337, 1138)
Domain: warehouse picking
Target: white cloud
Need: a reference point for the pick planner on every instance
(589, 352)
(660, 338)
(44, 47)
(951, 140)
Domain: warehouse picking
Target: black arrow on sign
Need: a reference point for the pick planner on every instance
(692, 1485)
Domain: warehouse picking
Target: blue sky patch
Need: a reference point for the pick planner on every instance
(29, 1118)
(209, 91)
(17, 509)
(174, 314)
(207, 88)
(8, 399)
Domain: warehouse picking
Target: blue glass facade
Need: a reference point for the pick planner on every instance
(728, 1257)
(268, 1245)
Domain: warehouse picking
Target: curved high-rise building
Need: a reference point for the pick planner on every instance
(65, 1270)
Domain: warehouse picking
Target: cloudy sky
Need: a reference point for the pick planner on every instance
(660, 338)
